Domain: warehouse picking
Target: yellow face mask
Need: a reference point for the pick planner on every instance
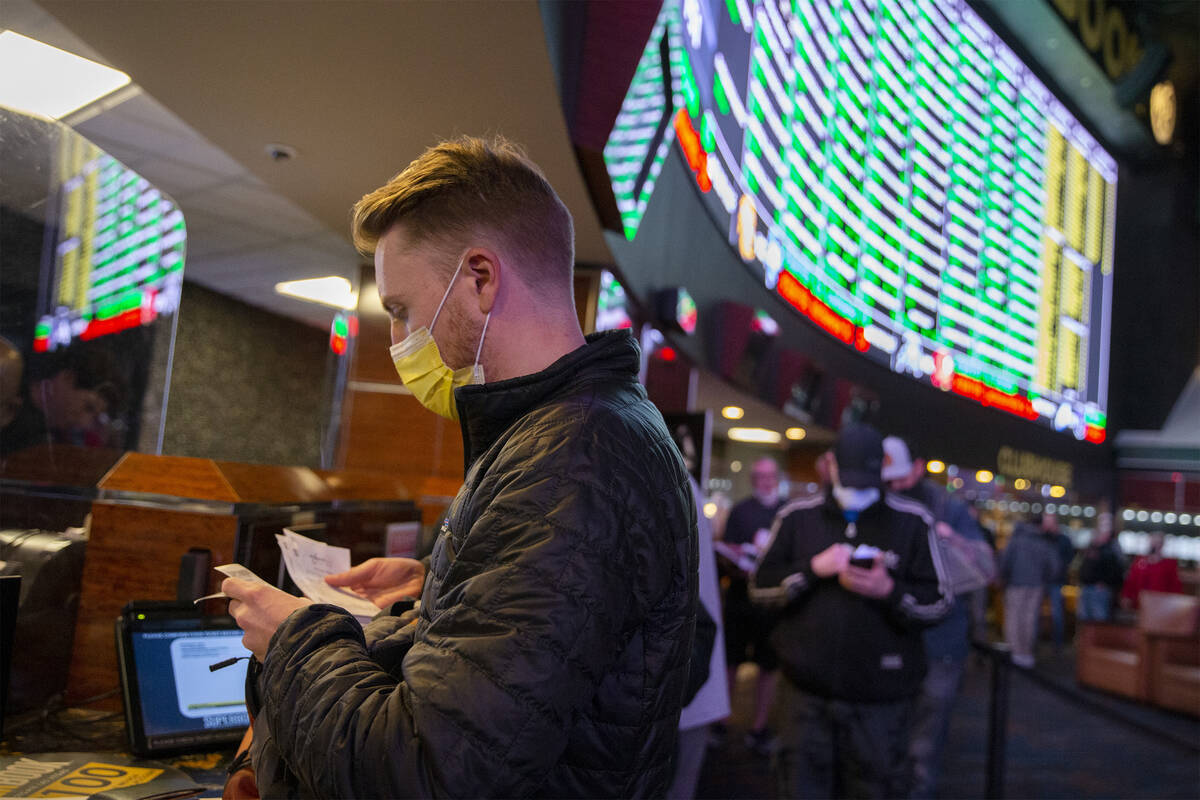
(422, 370)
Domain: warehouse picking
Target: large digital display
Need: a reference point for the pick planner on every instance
(119, 254)
(898, 176)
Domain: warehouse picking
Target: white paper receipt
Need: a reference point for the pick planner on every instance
(309, 561)
(239, 572)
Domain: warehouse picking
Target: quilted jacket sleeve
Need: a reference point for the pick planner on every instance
(533, 605)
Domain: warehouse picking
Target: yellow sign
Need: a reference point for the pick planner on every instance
(96, 776)
(1021, 463)
(1104, 31)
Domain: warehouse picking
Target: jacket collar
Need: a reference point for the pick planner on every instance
(486, 411)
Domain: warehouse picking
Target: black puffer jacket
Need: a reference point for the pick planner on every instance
(550, 652)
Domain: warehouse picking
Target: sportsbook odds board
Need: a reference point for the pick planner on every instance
(896, 174)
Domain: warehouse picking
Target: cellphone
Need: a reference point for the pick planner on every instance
(864, 556)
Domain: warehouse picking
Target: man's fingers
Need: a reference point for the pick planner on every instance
(355, 576)
(236, 588)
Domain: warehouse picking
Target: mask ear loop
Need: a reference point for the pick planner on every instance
(479, 349)
(453, 278)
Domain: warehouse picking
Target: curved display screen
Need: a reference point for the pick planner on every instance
(898, 176)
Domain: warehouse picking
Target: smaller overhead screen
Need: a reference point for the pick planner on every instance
(894, 173)
(117, 261)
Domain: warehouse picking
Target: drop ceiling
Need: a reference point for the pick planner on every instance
(358, 89)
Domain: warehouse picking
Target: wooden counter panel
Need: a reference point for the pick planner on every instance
(133, 554)
(178, 476)
(266, 483)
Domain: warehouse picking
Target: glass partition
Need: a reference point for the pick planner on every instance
(91, 270)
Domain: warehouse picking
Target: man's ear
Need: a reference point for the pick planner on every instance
(485, 271)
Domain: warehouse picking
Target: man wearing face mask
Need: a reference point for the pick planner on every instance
(856, 577)
(550, 651)
(969, 564)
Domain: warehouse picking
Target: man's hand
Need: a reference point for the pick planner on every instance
(944, 530)
(873, 582)
(383, 581)
(832, 560)
(259, 609)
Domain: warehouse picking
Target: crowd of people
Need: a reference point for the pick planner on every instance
(857, 603)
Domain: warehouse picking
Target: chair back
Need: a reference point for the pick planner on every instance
(1167, 614)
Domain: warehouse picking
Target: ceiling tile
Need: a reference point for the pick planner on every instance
(224, 240)
(176, 179)
(257, 207)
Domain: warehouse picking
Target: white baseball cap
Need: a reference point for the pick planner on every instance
(897, 462)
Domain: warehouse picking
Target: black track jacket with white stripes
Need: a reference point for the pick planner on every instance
(838, 644)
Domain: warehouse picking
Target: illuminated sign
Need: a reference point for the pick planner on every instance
(898, 176)
(118, 260)
(343, 329)
(1102, 28)
(612, 305)
(1020, 463)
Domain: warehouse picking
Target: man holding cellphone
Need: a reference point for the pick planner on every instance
(856, 577)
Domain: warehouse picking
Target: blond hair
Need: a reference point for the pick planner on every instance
(470, 186)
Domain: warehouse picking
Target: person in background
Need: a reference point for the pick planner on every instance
(980, 598)
(1028, 564)
(711, 701)
(551, 650)
(1151, 573)
(1101, 573)
(961, 543)
(854, 575)
(71, 393)
(1064, 548)
(747, 627)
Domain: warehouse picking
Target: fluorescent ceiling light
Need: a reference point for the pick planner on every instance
(44, 80)
(332, 290)
(755, 435)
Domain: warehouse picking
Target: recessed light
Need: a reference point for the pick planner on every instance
(332, 290)
(755, 435)
(795, 434)
(42, 79)
(733, 412)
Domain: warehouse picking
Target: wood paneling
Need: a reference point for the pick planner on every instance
(395, 433)
(262, 483)
(177, 476)
(133, 553)
(360, 485)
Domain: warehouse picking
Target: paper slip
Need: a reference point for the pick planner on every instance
(239, 572)
(309, 561)
(230, 571)
(744, 562)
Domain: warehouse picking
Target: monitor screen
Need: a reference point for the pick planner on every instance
(173, 700)
(896, 175)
